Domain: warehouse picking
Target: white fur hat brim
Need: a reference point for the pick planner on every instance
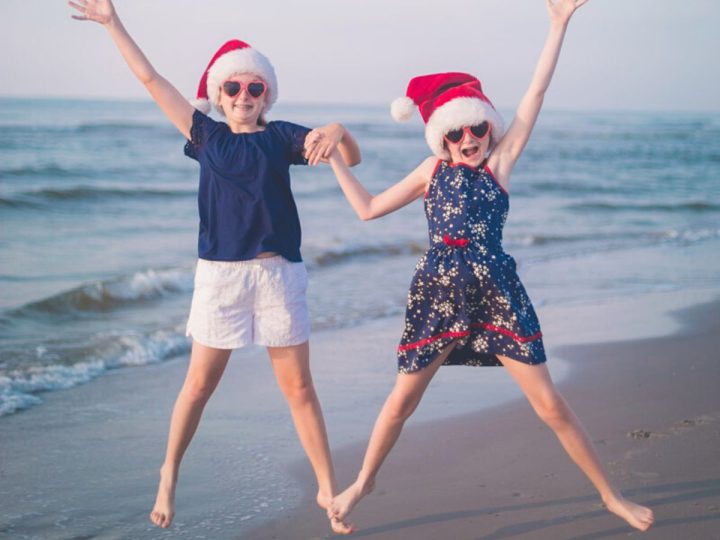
(246, 60)
(457, 113)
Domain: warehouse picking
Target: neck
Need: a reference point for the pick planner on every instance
(242, 127)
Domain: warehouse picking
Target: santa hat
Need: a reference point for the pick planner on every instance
(447, 101)
(233, 57)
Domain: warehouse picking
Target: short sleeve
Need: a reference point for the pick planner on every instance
(202, 128)
(294, 135)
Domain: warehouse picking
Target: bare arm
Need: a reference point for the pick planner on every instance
(503, 158)
(321, 143)
(173, 104)
(367, 206)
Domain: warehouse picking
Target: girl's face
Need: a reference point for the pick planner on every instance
(242, 99)
(472, 145)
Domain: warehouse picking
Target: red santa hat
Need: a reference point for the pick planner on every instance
(447, 101)
(233, 57)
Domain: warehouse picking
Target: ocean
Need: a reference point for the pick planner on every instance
(98, 226)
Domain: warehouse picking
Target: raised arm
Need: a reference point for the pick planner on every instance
(172, 102)
(507, 152)
(367, 206)
(321, 142)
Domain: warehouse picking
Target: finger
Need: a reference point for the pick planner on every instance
(317, 157)
(320, 153)
(329, 149)
(309, 146)
(76, 6)
(313, 156)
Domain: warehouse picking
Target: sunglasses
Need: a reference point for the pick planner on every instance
(478, 131)
(254, 88)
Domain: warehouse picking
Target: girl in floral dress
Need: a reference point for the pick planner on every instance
(466, 304)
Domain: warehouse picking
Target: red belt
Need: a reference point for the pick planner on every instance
(455, 242)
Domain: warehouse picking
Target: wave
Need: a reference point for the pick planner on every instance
(101, 296)
(570, 187)
(332, 257)
(687, 206)
(50, 171)
(111, 127)
(115, 127)
(18, 388)
(88, 193)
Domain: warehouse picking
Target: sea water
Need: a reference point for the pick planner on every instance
(99, 224)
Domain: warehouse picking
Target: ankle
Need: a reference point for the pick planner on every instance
(365, 483)
(611, 498)
(168, 472)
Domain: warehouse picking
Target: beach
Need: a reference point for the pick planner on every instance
(98, 211)
(651, 407)
(89, 456)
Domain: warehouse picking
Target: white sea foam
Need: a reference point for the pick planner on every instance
(18, 387)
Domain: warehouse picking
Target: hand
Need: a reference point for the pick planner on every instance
(100, 11)
(561, 10)
(320, 143)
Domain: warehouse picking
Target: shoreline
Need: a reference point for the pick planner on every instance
(245, 466)
(655, 424)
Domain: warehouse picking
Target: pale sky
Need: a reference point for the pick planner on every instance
(618, 54)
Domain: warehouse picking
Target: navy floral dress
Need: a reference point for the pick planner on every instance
(466, 288)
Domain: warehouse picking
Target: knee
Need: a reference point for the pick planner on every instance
(553, 410)
(299, 393)
(198, 390)
(401, 406)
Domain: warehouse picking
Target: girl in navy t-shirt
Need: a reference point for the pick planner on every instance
(250, 280)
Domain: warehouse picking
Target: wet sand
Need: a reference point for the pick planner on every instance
(652, 407)
(84, 464)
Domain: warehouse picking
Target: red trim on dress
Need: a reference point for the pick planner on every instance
(492, 175)
(513, 335)
(432, 177)
(486, 326)
(429, 340)
(462, 164)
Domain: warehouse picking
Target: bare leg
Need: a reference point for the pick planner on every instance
(292, 370)
(400, 404)
(551, 407)
(206, 367)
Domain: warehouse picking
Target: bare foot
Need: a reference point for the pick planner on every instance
(343, 504)
(164, 510)
(337, 525)
(637, 516)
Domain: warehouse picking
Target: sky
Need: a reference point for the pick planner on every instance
(618, 54)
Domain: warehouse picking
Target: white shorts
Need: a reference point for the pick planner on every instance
(239, 303)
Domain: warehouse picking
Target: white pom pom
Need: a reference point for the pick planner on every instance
(402, 109)
(202, 105)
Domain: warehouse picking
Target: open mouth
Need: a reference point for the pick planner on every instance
(470, 151)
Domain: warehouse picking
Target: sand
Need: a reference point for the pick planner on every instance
(84, 464)
(652, 407)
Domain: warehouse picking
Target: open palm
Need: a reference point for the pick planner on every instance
(101, 11)
(561, 10)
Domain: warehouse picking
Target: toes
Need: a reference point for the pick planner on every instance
(340, 527)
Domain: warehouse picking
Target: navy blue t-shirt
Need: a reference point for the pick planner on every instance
(244, 198)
